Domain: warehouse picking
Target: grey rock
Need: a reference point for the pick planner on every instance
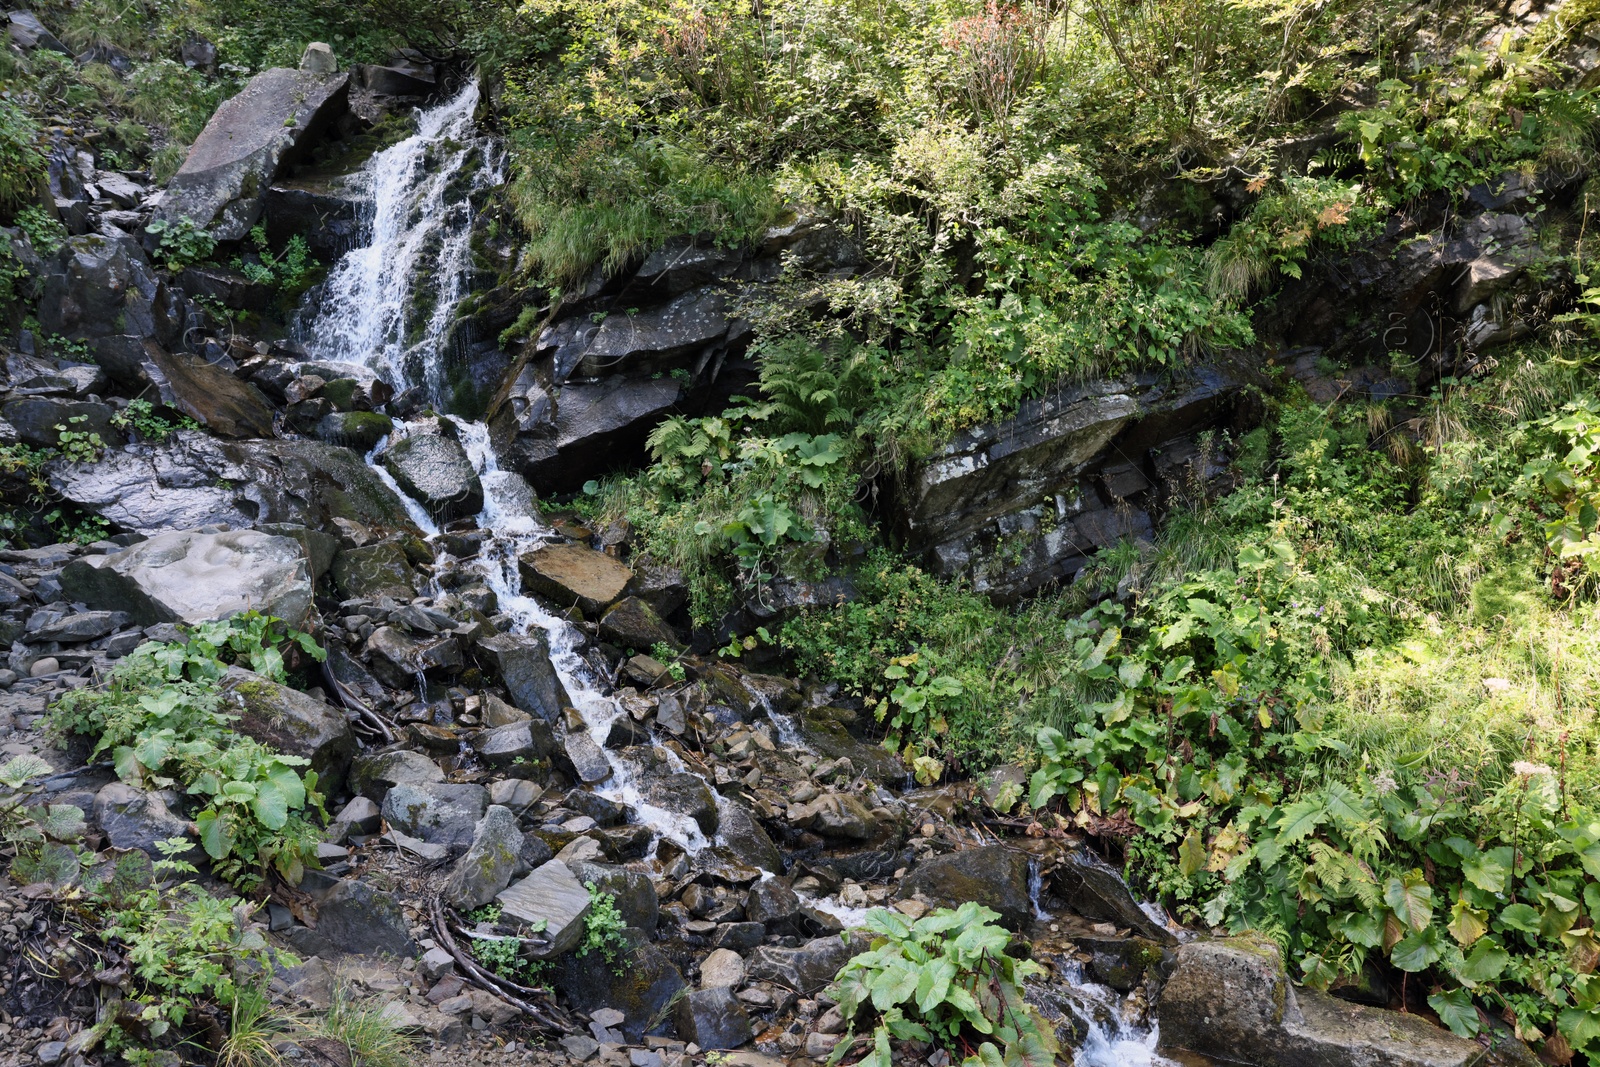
(993, 875)
(247, 143)
(28, 33)
(633, 892)
(522, 662)
(353, 917)
(195, 479)
(439, 813)
(631, 623)
(714, 1019)
(1095, 889)
(360, 430)
(513, 496)
(51, 1052)
(434, 471)
(518, 794)
(396, 657)
(494, 858)
(773, 904)
(658, 338)
(373, 571)
(724, 968)
(77, 627)
(292, 723)
(805, 969)
(643, 984)
(684, 794)
(552, 895)
(133, 818)
(361, 815)
(436, 963)
(37, 418)
(584, 757)
(102, 290)
(373, 774)
(1232, 998)
(837, 815)
(505, 745)
(318, 58)
(208, 394)
(593, 424)
(580, 1048)
(185, 576)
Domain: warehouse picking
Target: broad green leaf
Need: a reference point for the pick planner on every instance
(1486, 872)
(1300, 818)
(1417, 951)
(933, 984)
(270, 806)
(1191, 854)
(1521, 917)
(1411, 898)
(1456, 1011)
(1467, 923)
(1484, 963)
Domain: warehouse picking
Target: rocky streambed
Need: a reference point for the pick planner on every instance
(490, 724)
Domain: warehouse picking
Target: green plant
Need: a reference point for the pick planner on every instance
(944, 979)
(43, 229)
(255, 1028)
(182, 243)
(288, 271)
(503, 956)
(140, 417)
(44, 837)
(602, 929)
(159, 717)
(363, 1027)
(78, 446)
(20, 162)
(665, 654)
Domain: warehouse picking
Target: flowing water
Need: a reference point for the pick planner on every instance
(388, 305)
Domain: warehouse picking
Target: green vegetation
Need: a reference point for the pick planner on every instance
(288, 271)
(602, 929)
(159, 718)
(944, 979)
(182, 244)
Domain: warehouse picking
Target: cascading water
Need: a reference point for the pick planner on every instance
(389, 305)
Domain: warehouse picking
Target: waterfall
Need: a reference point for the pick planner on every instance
(389, 305)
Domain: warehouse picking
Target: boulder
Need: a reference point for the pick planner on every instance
(373, 774)
(249, 141)
(1232, 999)
(325, 213)
(374, 571)
(773, 904)
(551, 895)
(134, 819)
(318, 58)
(353, 917)
(1095, 889)
(494, 858)
(437, 812)
(806, 969)
(184, 576)
(102, 290)
(360, 430)
(583, 757)
(643, 989)
(595, 428)
(522, 662)
(657, 339)
(291, 722)
(684, 794)
(528, 741)
(994, 876)
(400, 80)
(435, 472)
(1082, 450)
(713, 1019)
(28, 33)
(747, 839)
(319, 547)
(208, 394)
(633, 892)
(631, 623)
(723, 969)
(194, 479)
(39, 420)
(837, 815)
(570, 573)
(75, 628)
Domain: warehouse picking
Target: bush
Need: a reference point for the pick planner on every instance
(20, 161)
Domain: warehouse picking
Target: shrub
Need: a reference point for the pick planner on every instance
(20, 161)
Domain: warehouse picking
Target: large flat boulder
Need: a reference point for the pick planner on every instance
(586, 430)
(440, 813)
(570, 573)
(194, 479)
(293, 723)
(553, 896)
(249, 141)
(185, 576)
(1231, 999)
(659, 337)
(523, 664)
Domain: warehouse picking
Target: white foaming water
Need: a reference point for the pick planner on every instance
(419, 233)
(390, 304)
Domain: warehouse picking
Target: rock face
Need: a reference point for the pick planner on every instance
(571, 573)
(523, 661)
(1094, 889)
(437, 812)
(805, 969)
(643, 993)
(133, 818)
(209, 395)
(994, 876)
(489, 865)
(102, 290)
(713, 1019)
(1232, 999)
(246, 145)
(193, 577)
(1097, 455)
(588, 430)
(292, 723)
(434, 471)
